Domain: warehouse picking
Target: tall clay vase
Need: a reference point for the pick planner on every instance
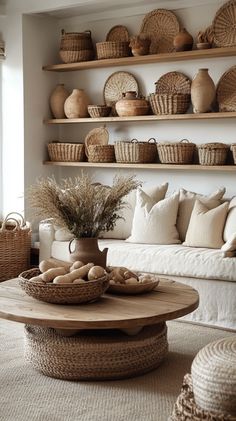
(76, 105)
(203, 92)
(57, 100)
(86, 250)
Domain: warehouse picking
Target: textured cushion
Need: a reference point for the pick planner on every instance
(230, 224)
(206, 226)
(230, 245)
(155, 222)
(186, 204)
(123, 227)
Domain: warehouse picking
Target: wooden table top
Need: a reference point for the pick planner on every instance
(169, 300)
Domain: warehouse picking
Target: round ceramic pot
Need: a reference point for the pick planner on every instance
(131, 105)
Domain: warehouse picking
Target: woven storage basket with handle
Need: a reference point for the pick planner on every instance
(134, 152)
(212, 153)
(176, 153)
(15, 243)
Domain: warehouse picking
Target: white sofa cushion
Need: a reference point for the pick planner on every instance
(123, 226)
(206, 226)
(230, 244)
(186, 203)
(155, 222)
(176, 259)
(230, 224)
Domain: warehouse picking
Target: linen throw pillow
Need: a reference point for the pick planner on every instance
(230, 244)
(206, 226)
(155, 222)
(230, 224)
(186, 203)
(123, 227)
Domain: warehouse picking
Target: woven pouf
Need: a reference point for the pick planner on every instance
(214, 376)
(95, 355)
(185, 408)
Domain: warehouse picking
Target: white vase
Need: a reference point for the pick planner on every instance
(76, 105)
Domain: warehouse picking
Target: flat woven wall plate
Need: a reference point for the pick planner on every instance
(118, 33)
(161, 26)
(173, 83)
(226, 91)
(117, 84)
(98, 136)
(224, 25)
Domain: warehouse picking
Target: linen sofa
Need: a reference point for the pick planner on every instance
(211, 271)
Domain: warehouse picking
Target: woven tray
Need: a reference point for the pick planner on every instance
(66, 152)
(132, 152)
(113, 49)
(169, 103)
(212, 153)
(226, 91)
(62, 293)
(118, 33)
(173, 83)
(101, 153)
(97, 355)
(224, 25)
(176, 153)
(97, 136)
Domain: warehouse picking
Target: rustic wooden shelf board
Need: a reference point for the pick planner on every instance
(152, 58)
(200, 116)
(157, 167)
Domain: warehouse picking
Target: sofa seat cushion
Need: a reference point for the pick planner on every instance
(176, 260)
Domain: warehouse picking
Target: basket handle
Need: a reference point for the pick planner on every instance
(16, 227)
(152, 138)
(184, 141)
(21, 223)
(134, 140)
(71, 241)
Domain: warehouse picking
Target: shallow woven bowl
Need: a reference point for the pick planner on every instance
(62, 293)
(99, 110)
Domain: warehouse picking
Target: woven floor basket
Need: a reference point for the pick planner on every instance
(176, 153)
(113, 49)
(66, 152)
(212, 153)
(62, 293)
(15, 244)
(101, 153)
(169, 103)
(95, 355)
(135, 152)
(185, 408)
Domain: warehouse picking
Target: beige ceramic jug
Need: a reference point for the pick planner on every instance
(76, 105)
(202, 92)
(57, 100)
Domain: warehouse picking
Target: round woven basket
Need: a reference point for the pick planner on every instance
(66, 152)
(186, 409)
(176, 153)
(101, 153)
(131, 152)
(96, 111)
(212, 153)
(96, 355)
(169, 103)
(74, 56)
(76, 41)
(113, 49)
(62, 293)
(214, 376)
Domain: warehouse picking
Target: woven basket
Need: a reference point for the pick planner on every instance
(113, 49)
(15, 244)
(185, 408)
(66, 152)
(76, 41)
(101, 153)
(169, 103)
(213, 153)
(96, 111)
(62, 293)
(73, 56)
(176, 153)
(97, 355)
(134, 152)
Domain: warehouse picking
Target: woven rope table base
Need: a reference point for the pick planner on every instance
(185, 408)
(95, 355)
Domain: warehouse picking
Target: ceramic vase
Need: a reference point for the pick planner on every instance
(202, 92)
(183, 41)
(87, 251)
(57, 100)
(131, 105)
(76, 105)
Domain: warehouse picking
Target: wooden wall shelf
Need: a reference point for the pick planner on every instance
(152, 58)
(157, 167)
(202, 116)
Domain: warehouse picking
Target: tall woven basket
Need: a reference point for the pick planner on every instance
(15, 243)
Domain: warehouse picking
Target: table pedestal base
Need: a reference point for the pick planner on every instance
(97, 354)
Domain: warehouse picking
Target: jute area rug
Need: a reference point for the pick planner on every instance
(26, 395)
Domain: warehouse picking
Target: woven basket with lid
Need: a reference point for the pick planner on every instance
(212, 153)
(131, 152)
(176, 153)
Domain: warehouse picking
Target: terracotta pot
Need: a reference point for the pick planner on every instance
(202, 92)
(131, 105)
(86, 250)
(57, 100)
(183, 41)
(139, 45)
(76, 105)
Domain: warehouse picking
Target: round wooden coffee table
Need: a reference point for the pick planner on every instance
(115, 337)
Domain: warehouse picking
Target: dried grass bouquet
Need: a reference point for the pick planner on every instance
(83, 207)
